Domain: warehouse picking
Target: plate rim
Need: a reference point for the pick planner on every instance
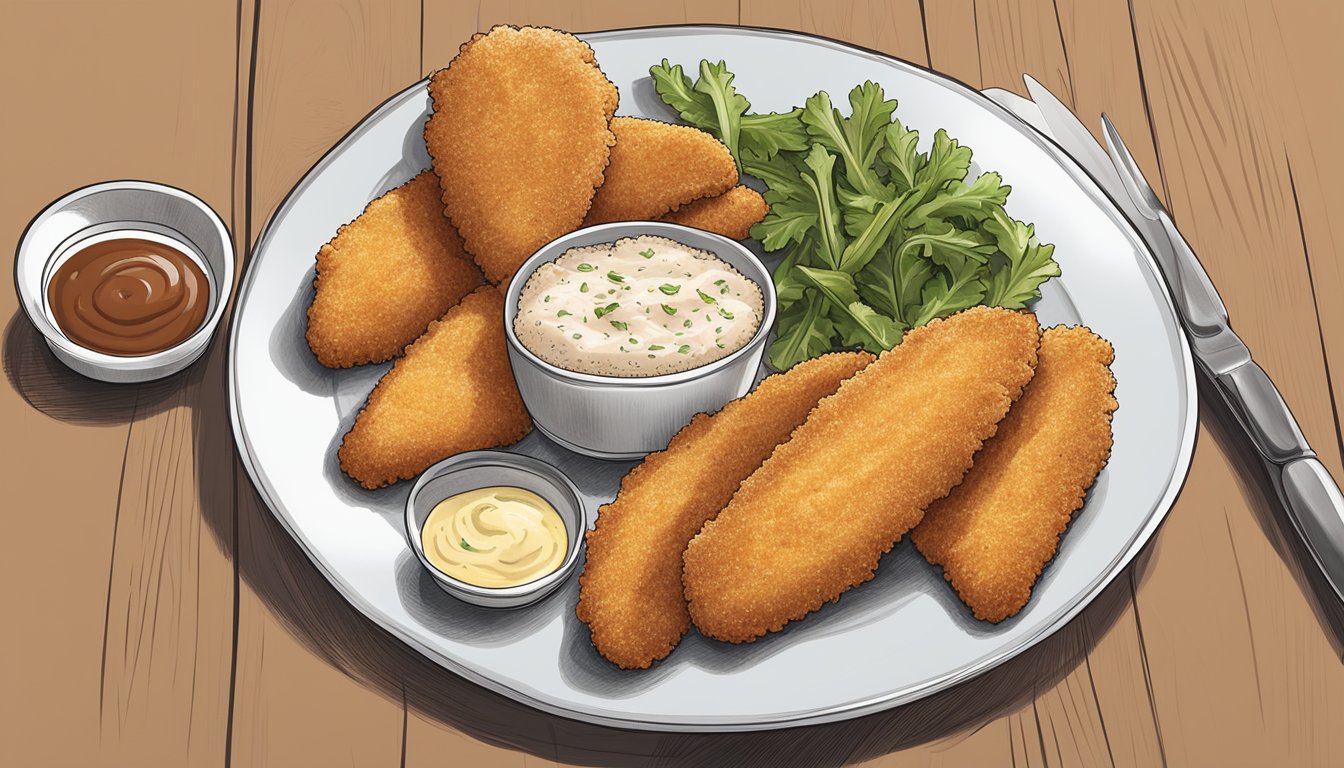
(845, 711)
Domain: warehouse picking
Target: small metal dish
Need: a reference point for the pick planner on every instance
(482, 469)
(128, 209)
(614, 417)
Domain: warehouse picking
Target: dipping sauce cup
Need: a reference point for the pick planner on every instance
(169, 224)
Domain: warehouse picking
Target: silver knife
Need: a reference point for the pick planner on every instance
(1311, 497)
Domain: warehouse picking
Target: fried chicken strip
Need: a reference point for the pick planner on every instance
(630, 591)
(817, 516)
(657, 167)
(453, 391)
(386, 276)
(519, 137)
(995, 531)
(731, 214)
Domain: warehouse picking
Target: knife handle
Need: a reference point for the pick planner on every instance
(1316, 507)
(1257, 404)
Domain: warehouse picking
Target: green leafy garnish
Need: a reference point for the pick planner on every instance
(619, 325)
(563, 313)
(467, 546)
(616, 277)
(670, 289)
(648, 254)
(585, 267)
(583, 287)
(655, 347)
(876, 236)
(725, 314)
(684, 349)
(705, 297)
(668, 310)
(607, 310)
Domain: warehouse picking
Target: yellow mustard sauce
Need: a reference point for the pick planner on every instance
(495, 537)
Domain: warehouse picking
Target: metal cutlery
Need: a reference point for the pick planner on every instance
(1308, 493)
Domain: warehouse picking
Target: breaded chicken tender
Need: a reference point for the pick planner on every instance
(630, 594)
(814, 520)
(657, 167)
(996, 530)
(386, 276)
(453, 391)
(519, 137)
(731, 214)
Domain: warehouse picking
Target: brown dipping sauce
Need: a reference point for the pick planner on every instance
(129, 297)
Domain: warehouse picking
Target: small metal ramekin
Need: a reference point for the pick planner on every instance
(132, 208)
(483, 469)
(612, 417)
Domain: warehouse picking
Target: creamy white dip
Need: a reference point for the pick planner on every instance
(642, 306)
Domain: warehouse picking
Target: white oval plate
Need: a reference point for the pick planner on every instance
(897, 638)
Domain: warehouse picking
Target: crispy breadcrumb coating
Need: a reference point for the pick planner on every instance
(814, 520)
(453, 391)
(996, 530)
(731, 214)
(657, 167)
(630, 594)
(386, 276)
(519, 136)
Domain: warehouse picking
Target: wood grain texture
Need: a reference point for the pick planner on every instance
(121, 648)
(318, 68)
(191, 629)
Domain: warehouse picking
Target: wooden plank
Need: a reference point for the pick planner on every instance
(1216, 84)
(131, 664)
(318, 68)
(894, 28)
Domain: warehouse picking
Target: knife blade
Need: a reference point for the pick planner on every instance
(1308, 493)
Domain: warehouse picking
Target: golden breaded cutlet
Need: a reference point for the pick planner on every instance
(657, 167)
(817, 516)
(519, 137)
(996, 531)
(731, 214)
(630, 591)
(386, 276)
(453, 391)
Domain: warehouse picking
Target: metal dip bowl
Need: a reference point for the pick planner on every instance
(614, 417)
(130, 209)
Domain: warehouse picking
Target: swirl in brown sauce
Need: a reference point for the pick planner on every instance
(128, 297)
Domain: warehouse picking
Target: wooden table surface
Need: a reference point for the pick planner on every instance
(174, 623)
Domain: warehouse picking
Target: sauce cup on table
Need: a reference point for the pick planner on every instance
(126, 280)
(650, 349)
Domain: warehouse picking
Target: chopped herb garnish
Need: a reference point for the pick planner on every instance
(686, 324)
(719, 329)
(563, 313)
(705, 297)
(546, 299)
(678, 333)
(647, 254)
(577, 336)
(684, 349)
(585, 267)
(725, 314)
(723, 291)
(669, 288)
(718, 344)
(583, 287)
(656, 347)
(610, 291)
(615, 277)
(619, 325)
(633, 340)
(607, 310)
(668, 310)
(467, 546)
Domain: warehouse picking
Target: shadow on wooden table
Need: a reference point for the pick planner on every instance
(278, 571)
(1258, 490)
(48, 386)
